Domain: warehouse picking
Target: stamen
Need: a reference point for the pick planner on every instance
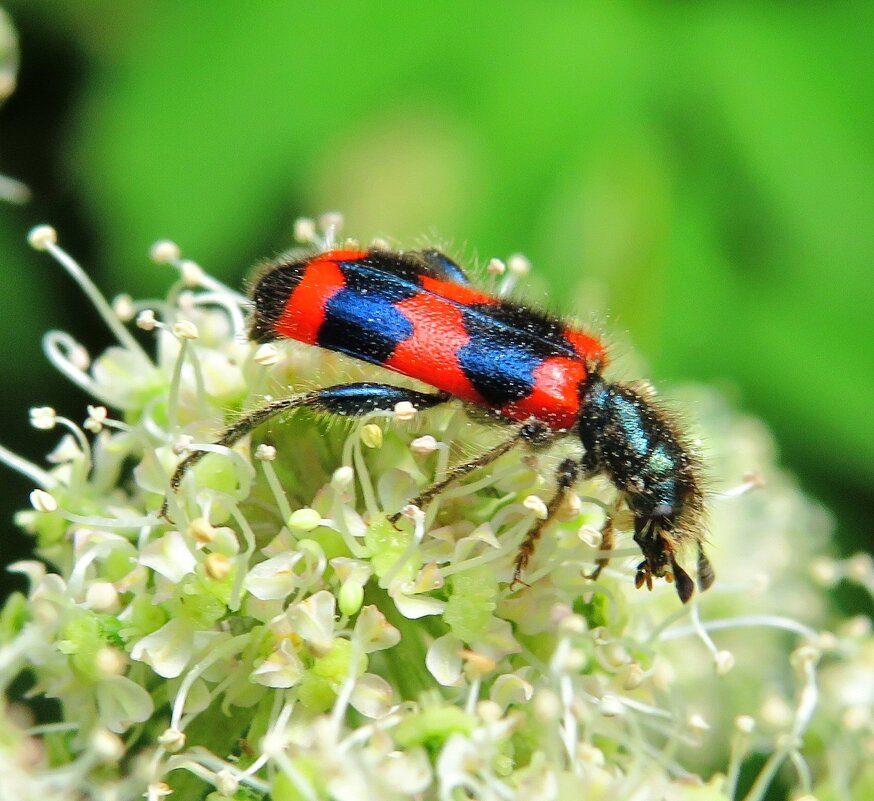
(330, 224)
(64, 353)
(44, 238)
(275, 485)
(27, 468)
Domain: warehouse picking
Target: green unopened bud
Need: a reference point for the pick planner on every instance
(351, 598)
(305, 519)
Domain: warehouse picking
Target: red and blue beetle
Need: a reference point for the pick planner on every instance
(416, 313)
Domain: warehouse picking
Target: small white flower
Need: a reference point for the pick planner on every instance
(459, 759)
(274, 578)
(97, 416)
(372, 696)
(415, 606)
(355, 570)
(443, 660)
(121, 703)
(313, 620)
(611, 706)
(408, 772)
(510, 688)
(168, 649)
(169, 556)
(427, 579)
(283, 668)
(373, 632)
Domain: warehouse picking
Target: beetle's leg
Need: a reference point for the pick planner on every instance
(443, 267)
(706, 576)
(659, 560)
(350, 400)
(355, 400)
(608, 540)
(567, 475)
(528, 432)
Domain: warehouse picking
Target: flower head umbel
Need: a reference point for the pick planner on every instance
(282, 637)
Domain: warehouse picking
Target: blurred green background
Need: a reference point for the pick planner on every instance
(701, 174)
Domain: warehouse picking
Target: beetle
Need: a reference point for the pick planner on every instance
(416, 313)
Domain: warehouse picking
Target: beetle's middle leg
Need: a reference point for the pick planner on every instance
(567, 475)
(349, 400)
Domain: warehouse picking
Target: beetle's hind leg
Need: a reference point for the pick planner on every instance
(350, 400)
(528, 432)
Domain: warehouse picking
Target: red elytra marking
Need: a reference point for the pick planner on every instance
(430, 352)
(304, 312)
(589, 348)
(340, 255)
(457, 292)
(555, 398)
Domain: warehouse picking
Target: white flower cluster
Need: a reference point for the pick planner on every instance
(282, 638)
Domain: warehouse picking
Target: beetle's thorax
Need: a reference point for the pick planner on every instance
(631, 440)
